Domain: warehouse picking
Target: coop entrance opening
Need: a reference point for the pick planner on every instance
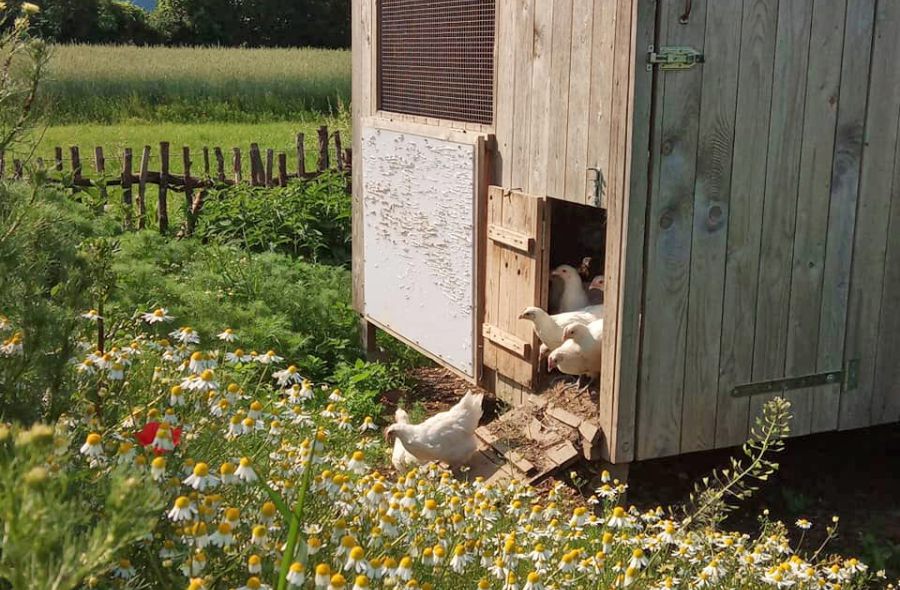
(577, 238)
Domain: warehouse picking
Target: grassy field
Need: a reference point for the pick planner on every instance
(110, 84)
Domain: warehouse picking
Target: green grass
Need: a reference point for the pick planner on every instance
(111, 84)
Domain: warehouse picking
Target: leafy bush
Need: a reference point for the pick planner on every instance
(363, 382)
(308, 219)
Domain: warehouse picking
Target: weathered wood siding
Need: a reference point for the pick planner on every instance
(772, 246)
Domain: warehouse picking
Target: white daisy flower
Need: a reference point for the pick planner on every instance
(93, 447)
(158, 468)
(116, 372)
(183, 509)
(12, 346)
(185, 335)
(245, 471)
(200, 479)
(296, 574)
(223, 536)
(160, 314)
(91, 315)
(269, 358)
(288, 376)
(124, 570)
(238, 356)
(227, 335)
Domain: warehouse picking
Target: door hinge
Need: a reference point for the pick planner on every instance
(673, 58)
(848, 378)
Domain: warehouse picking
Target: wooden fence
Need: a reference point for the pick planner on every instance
(268, 170)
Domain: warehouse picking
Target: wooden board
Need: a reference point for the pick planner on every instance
(846, 167)
(873, 214)
(712, 192)
(745, 210)
(579, 99)
(669, 229)
(515, 281)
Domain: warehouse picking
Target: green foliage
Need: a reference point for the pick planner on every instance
(716, 495)
(94, 21)
(307, 219)
(301, 310)
(44, 284)
(362, 383)
(61, 526)
(111, 84)
(879, 552)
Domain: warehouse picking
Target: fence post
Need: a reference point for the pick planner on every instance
(163, 207)
(301, 155)
(338, 151)
(58, 154)
(127, 166)
(76, 163)
(236, 164)
(100, 165)
(257, 175)
(270, 163)
(282, 169)
(188, 193)
(206, 167)
(323, 148)
(220, 165)
(142, 187)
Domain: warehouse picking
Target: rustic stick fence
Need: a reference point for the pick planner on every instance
(136, 173)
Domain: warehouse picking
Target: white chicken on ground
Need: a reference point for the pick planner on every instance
(401, 458)
(573, 295)
(581, 352)
(447, 437)
(549, 328)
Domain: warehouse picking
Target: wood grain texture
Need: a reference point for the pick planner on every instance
(873, 214)
(542, 101)
(579, 100)
(742, 255)
(361, 106)
(845, 173)
(669, 230)
(558, 114)
(504, 100)
(823, 81)
(599, 122)
(524, 60)
(780, 205)
(712, 189)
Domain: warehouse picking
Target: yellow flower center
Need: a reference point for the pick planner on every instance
(182, 502)
(207, 375)
(357, 553)
(201, 469)
(93, 439)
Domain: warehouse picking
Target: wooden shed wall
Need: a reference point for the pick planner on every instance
(772, 244)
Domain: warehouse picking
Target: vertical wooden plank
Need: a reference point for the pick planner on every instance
(873, 212)
(257, 174)
(207, 168)
(599, 122)
(842, 209)
(220, 165)
(492, 274)
(886, 389)
(127, 181)
(338, 151)
(301, 155)
(58, 157)
(504, 101)
(816, 157)
(75, 155)
(541, 100)
(669, 242)
(162, 212)
(524, 56)
(270, 164)
(188, 192)
(323, 148)
(745, 211)
(631, 128)
(712, 190)
(578, 125)
(780, 204)
(142, 187)
(100, 166)
(282, 169)
(558, 115)
(236, 164)
(364, 90)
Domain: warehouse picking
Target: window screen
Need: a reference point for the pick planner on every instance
(436, 58)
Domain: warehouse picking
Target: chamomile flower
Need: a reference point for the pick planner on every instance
(158, 468)
(404, 568)
(227, 335)
(288, 376)
(200, 479)
(238, 356)
(245, 472)
(357, 463)
(205, 381)
(92, 315)
(323, 575)
(296, 574)
(254, 564)
(803, 524)
(254, 583)
(183, 509)
(337, 582)
(160, 314)
(124, 570)
(93, 447)
(268, 358)
(223, 536)
(618, 519)
(197, 584)
(200, 361)
(267, 513)
(336, 396)
(12, 346)
(86, 367)
(368, 424)
(638, 559)
(361, 582)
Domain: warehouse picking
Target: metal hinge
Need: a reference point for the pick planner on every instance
(673, 58)
(848, 378)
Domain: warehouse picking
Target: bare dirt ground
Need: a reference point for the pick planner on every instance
(854, 475)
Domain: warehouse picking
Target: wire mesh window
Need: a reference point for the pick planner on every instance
(436, 58)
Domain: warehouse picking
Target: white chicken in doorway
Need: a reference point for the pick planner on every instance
(581, 352)
(573, 295)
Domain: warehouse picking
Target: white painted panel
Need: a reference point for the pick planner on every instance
(418, 208)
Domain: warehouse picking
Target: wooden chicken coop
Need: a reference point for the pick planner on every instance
(736, 162)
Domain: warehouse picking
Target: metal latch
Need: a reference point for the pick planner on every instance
(673, 58)
(848, 378)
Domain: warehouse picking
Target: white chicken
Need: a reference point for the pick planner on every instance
(581, 352)
(401, 458)
(549, 328)
(595, 290)
(447, 437)
(573, 295)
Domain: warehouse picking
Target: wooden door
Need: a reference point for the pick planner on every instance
(515, 279)
(757, 173)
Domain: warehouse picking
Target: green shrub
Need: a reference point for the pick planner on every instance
(308, 219)
(363, 382)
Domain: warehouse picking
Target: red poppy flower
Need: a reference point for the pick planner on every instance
(146, 436)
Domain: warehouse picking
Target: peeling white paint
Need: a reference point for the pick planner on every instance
(418, 209)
